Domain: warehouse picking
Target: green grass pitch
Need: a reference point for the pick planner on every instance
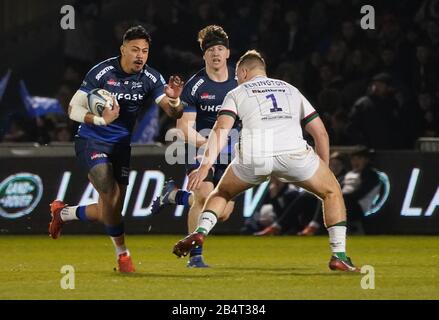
(286, 267)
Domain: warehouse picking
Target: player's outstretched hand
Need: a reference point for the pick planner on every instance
(174, 88)
(196, 177)
(111, 114)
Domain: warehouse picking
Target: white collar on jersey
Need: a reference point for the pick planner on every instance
(255, 77)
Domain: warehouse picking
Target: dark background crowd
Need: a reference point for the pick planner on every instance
(376, 87)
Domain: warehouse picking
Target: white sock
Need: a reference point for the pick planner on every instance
(119, 249)
(337, 238)
(172, 195)
(275, 225)
(314, 224)
(207, 222)
(69, 214)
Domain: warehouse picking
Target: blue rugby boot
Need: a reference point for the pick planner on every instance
(163, 200)
(196, 262)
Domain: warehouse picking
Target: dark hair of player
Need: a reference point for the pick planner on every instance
(211, 36)
(137, 32)
(252, 59)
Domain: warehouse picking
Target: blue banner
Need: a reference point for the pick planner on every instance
(39, 106)
(148, 128)
(4, 83)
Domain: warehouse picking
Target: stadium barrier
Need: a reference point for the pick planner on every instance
(32, 176)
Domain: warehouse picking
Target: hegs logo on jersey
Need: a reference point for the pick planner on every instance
(210, 108)
(96, 155)
(207, 96)
(113, 83)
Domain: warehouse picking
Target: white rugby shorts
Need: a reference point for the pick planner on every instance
(293, 167)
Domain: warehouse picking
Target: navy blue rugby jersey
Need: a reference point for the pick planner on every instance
(205, 97)
(130, 90)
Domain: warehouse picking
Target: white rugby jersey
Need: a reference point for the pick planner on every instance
(271, 111)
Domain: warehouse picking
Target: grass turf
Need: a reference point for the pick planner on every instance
(270, 268)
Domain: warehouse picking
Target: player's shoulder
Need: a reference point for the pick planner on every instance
(282, 83)
(237, 90)
(103, 67)
(195, 82)
(152, 75)
(200, 74)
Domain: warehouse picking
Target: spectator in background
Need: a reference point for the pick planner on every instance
(359, 186)
(16, 131)
(433, 36)
(350, 35)
(243, 27)
(294, 44)
(428, 116)
(404, 44)
(278, 197)
(63, 133)
(375, 120)
(304, 205)
(388, 64)
(337, 129)
(311, 74)
(424, 69)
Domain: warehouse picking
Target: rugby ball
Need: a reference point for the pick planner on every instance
(97, 101)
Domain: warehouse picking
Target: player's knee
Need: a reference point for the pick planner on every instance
(201, 195)
(200, 199)
(223, 193)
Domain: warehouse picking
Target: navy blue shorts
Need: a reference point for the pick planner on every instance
(93, 152)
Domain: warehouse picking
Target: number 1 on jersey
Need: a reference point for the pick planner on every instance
(273, 99)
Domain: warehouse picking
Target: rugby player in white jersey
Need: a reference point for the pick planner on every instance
(271, 144)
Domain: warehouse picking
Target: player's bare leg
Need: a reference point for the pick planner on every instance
(325, 186)
(62, 213)
(111, 196)
(229, 187)
(198, 200)
(107, 211)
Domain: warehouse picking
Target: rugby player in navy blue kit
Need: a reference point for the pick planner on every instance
(202, 96)
(102, 144)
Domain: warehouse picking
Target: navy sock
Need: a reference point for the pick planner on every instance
(115, 231)
(196, 251)
(80, 213)
(182, 198)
